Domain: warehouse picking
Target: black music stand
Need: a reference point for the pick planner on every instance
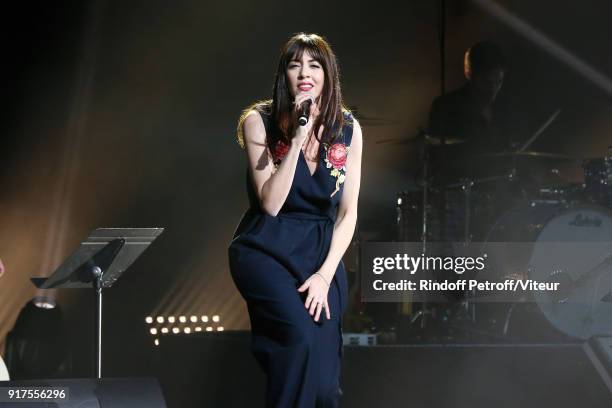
(98, 263)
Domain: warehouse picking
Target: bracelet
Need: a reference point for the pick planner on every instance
(321, 276)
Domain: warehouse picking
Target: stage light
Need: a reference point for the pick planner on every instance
(157, 342)
(215, 318)
(205, 319)
(209, 328)
(182, 319)
(175, 330)
(198, 329)
(220, 328)
(187, 330)
(153, 331)
(164, 330)
(37, 346)
(160, 319)
(44, 302)
(194, 319)
(171, 319)
(149, 320)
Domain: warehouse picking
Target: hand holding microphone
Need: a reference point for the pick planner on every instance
(304, 105)
(304, 112)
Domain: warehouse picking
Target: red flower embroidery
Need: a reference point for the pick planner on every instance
(336, 155)
(335, 158)
(280, 150)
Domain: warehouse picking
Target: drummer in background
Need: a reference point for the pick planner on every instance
(469, 113)
(464, 124)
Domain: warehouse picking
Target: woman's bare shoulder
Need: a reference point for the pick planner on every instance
(251, 125)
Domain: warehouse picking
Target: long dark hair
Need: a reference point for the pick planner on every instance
(280, 107)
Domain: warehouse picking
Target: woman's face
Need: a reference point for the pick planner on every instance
(305, 76)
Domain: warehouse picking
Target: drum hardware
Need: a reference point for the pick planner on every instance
(541, 130)
(422, 138)
(568, 284)
(425, 310)
(466, 185)
(467, 189)
(427, 141)
(531, 154)
(507, 319)
(371, 121)
(549, 196)
(578, 308)
(598, 180)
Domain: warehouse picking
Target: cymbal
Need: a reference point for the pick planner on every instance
(371, 121)
(374, 121)
(429, 140)
(528, 154)
(436, 141)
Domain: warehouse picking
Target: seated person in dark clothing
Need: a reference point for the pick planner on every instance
(468, 113)
(467, 120)
(464, 124)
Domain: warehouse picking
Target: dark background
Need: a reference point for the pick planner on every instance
(124, 114)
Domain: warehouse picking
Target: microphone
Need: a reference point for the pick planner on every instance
(304, 113)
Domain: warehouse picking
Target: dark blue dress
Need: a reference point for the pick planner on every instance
(270, 257)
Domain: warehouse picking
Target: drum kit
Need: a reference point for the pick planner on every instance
(521, 196)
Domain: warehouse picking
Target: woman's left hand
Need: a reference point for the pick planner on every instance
(317, 296)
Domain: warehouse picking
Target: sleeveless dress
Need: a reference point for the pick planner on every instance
(270, 257)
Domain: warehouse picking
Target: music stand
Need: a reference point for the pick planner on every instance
(99, 262)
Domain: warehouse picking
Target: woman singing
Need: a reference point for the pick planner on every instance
(285, 258)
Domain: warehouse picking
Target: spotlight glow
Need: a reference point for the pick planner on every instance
(44, 302)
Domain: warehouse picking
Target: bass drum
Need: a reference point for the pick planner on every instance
(578, 245)
(572, 246)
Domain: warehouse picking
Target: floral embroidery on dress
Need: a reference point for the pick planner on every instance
(335, 159)
(278, 154)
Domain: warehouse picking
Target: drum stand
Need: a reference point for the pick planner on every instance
(467, 191)
(470, 307)
(466, 185)
(424, 309)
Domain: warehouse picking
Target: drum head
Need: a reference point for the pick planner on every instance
(575, 248)
(508, 259)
